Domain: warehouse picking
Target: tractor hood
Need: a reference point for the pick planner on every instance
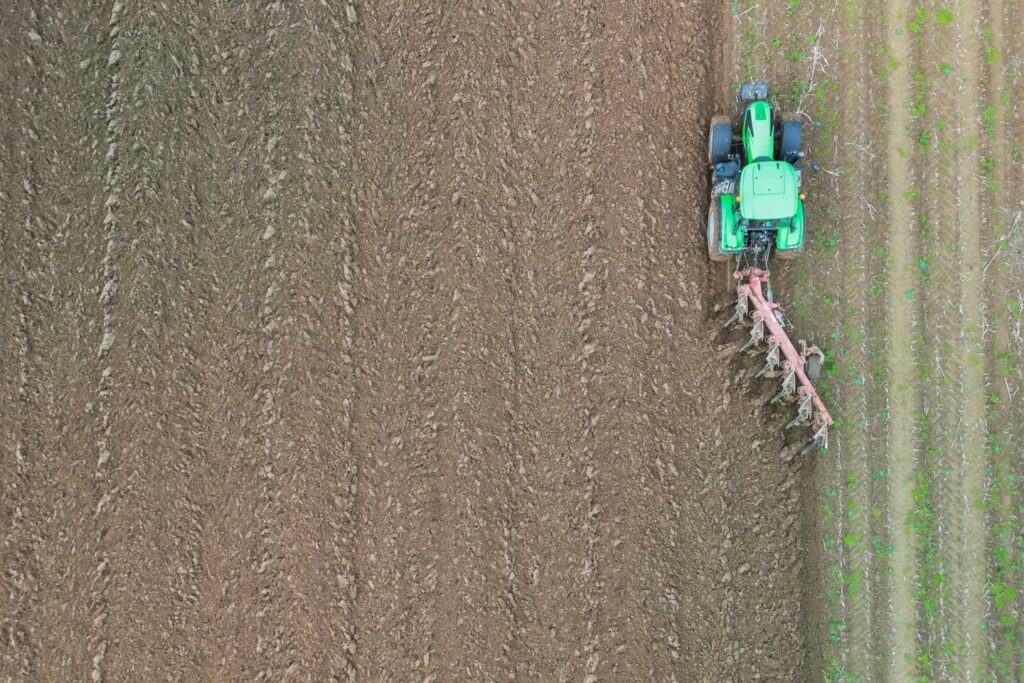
(768, 191)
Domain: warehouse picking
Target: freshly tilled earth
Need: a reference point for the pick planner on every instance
(376, 341)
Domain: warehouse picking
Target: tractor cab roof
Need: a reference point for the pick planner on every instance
(768, 191)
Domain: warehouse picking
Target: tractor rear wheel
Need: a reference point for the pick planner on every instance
(719, 139)
(787, 255)
(715, 231)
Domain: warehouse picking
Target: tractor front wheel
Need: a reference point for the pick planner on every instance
(719, 140)
(791, 127)
(715, 232)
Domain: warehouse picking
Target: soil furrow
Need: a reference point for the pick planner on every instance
(62, 200)
(247, 599)
(154, 235)
(23, 323)
(591, 279)
(550, 218)
(639, 303)
(857, 441)
(396, 420)
(473, 365)
(110, 482)
(307, 328)
(291, 570)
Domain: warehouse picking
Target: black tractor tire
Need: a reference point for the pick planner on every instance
(715, 231)
(791, 132)
(788, 255)
(719, 140)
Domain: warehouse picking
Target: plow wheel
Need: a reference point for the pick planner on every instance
(815, 361)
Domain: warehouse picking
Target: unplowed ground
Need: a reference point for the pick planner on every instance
(375, 341)
(914, 272)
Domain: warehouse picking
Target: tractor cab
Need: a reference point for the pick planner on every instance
(756, 203)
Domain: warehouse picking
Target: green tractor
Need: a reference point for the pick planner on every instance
(756, 210)
(756, 204)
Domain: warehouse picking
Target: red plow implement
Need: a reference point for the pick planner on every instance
(797, 368)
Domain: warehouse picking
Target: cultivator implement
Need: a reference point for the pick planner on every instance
(795, 368)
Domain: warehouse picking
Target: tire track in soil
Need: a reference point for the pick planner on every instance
(873, 474)
(1002, 278)
(904, 399)
(939, 421)
(966, 518)
(949, 223)
(859, 445)
(878, 580)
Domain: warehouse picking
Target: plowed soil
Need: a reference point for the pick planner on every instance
(376, 342)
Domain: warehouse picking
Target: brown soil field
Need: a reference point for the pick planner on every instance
(377, 341)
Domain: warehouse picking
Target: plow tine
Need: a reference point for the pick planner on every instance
(742, 306)
(788, 386)
(756, 334)
(750, 342)
(738, 315)
(821, 435)
(819, 440)
(803, 412)
(771, 361)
